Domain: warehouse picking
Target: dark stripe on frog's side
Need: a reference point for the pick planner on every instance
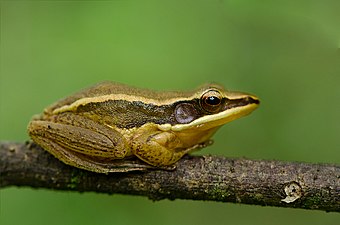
(234, 103)
(125, 114)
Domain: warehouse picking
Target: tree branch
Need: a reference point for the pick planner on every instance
(272, 183)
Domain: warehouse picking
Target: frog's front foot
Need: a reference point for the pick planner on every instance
(199, 146)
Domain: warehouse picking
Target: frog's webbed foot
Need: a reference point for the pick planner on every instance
(199, 146)
(189, 150)
(125, 165)
(168, 168)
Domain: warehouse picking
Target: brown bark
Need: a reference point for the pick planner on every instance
(213, 178)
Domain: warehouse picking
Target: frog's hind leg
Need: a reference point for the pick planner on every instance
(91, 163)
(82, 148)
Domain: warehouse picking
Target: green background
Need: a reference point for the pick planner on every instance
(286, 52)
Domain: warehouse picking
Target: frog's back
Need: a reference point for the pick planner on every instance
(113, 88)
(108, 87)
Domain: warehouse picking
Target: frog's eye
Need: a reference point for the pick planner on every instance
(211, 101)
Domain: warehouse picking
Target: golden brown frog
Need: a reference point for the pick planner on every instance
(98, 127)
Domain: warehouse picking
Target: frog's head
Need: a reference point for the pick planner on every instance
(207, 109)
(213, 106)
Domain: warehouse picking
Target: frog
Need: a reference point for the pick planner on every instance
(114, 127)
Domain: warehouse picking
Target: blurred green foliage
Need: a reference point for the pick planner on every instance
(286, 52)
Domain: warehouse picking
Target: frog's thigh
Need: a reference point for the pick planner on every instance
(69, 157)
(78, 139)
(158, 149)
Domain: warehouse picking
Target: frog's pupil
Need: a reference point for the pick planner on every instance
(213, 100)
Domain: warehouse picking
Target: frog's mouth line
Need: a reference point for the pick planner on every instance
(238, 108)
(234, 103)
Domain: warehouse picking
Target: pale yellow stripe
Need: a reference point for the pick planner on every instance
(131, 98)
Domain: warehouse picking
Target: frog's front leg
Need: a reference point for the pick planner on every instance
(161, 148)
